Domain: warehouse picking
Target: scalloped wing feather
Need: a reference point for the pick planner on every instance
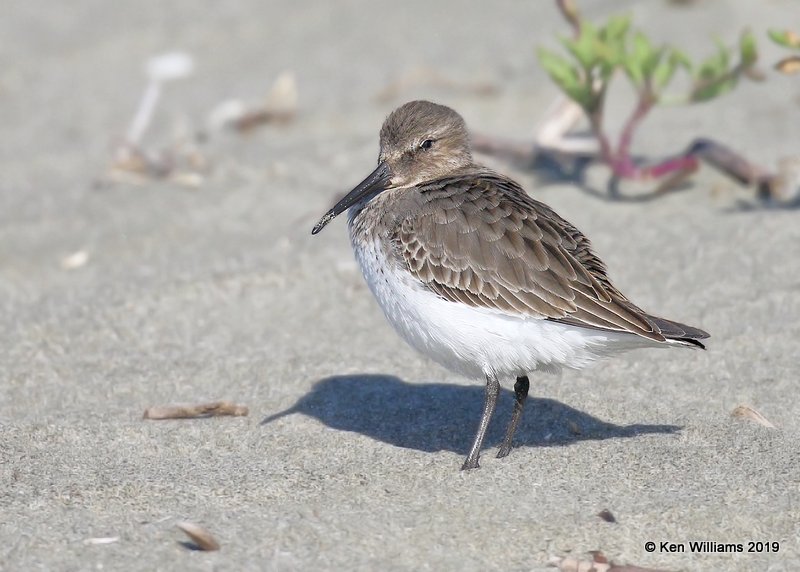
(479, 239)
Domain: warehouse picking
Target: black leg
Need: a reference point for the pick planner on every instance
(520, 394)
(492, 391)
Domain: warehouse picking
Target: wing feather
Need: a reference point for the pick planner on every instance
(479, 239)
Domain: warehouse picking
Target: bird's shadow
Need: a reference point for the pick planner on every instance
(443, 417)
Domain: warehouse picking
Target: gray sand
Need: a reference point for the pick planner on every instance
(221, 293)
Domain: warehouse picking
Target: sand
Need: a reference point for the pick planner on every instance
(220, 292)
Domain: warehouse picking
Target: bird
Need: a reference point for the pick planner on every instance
(475, 273)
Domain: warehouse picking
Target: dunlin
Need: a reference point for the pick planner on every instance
(474, 273)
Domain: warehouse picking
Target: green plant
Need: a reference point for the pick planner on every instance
(596, 54)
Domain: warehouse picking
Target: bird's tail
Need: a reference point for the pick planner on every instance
(680, 333)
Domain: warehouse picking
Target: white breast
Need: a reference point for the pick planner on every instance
(476, 341)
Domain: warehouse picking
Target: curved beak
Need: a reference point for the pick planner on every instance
(376, 182)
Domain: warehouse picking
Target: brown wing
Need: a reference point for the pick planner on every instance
(481, 240)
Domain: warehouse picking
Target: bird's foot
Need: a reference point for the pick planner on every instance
(470, 463)
(505, 449)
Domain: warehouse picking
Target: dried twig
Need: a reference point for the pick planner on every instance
(214, 409)
(181, 164)
(199, 536)
(727, 160)
(280, 106)
(783, 188)
(598, 563)
(747, 412)
(789, 65)
(135, 166)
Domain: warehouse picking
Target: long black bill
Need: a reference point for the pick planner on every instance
(377, 181)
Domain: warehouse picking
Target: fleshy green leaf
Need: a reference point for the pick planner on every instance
(609, 57)
(642, 48)
(608, 63)
(634, 71)
(583, 96)
(714, 66)
(785, 38)
(714, 89)
(557, 67)
(663, 73)
(610, 44)
(667, 67)
(565, 76)
(583, 48)
(680, 59)
(615, 29)
(569, 79)
(652, 61)
(638, 61)
(748, 52)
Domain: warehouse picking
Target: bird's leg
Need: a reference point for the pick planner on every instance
(492, 391)
(520, 395)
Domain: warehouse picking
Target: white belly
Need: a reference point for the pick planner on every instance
(477, 341)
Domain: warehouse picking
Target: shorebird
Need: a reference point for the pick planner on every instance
(478, 275)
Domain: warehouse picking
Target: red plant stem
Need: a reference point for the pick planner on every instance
(675, 164)
(622, 164)
(571, 14)
(596, 122)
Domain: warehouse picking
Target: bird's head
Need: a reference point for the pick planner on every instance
(420, 141)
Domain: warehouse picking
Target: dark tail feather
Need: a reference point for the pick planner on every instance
(680, 332)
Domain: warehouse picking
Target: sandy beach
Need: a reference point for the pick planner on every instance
(212, 288)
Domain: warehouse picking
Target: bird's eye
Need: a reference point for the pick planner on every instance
(427, 144)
